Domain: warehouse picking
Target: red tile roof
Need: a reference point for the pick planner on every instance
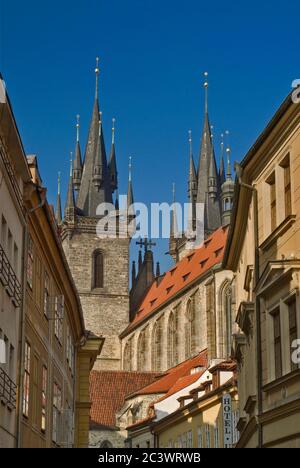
(108, 390)
(182, 383)
(171, 379)
(187, 270)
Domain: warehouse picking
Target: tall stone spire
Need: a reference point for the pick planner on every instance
(222, 165)
(70, 201)
(173, 242)
(192, 186)
(207, 163)
(77, 170)
(58, 212)
(113, 173)
(227, 192)
(91, 194)
(130, 199)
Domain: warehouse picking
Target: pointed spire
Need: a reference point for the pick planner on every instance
(140, 260)
(99, 161)
(222, 165)
(192, 185)
(70, 202)
(112, 161)
(212, 180)
(228, 172)
(206, 91)
(58, 212)
(97, 71)
(77, 172)
(157, 269)
(130, 199)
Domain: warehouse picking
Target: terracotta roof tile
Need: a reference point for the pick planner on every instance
(171, 378)
(108, 390)
(183, 273)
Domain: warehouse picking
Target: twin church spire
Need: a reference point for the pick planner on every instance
(93, 178)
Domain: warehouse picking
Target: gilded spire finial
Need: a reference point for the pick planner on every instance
(174, 192)
(113, 130)
(130, 168)
(206, 90)
(58, 183)
(71, 164)
(191, 142)
(78, 126)
(97, 71)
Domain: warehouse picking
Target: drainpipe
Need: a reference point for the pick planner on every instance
(23, 321)
(253, 189)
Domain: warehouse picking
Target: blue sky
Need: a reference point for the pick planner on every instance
(153, 55)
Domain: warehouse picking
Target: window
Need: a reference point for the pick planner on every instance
(70, 350)
(277, 344)
(56, 413)
(141, 351)
(9, 246)
(287, 185)
(26, 382)
(58, 318)
(293, 326)
(189, 328)
(184, 440)
(44, 398)
(190, 439)
(207, 436)
(30, 262)
(98, 272)
(35, 394)
(127, 359)
(16, 259)
(228, 318)
(273, 203)
(46, 294)
(172, 340)
(3, 232)
(200, 438)
(216, 436)
(157, 346)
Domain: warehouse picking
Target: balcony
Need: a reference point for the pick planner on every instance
(8, 390)
(9, 279)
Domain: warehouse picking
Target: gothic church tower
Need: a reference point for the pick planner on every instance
(100, 266)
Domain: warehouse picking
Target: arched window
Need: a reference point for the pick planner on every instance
(98, 270)
(156, 346)
(172, 340)
(127, 358)
(228, 318)
(225, 321)
(141, 352)
(189, 329)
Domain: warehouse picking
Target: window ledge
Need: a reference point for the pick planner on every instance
(279, 231)
(276, 384)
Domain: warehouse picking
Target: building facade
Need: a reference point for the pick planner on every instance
(14, 175)
(263, 251)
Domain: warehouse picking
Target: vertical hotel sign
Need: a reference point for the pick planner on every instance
(227, 420)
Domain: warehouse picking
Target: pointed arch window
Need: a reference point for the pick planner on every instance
(225, 324)
(98, 269)
(190, 328)
(127, 358)
(157, 346)
(172, 340)
(141, 352)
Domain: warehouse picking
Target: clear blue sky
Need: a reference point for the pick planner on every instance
(153, 55)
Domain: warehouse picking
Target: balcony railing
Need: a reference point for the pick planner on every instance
(8, 390)
(9, 279)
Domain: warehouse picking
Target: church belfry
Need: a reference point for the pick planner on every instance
(99, 265)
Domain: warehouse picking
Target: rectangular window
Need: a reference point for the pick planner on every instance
(44, 398)
(207, 436)
(277, 344)
(190, 439)
(56, 413)
(35, 394)
(216, 436)
(292, 306)
(46, 294)
(16, 259)
(200, 438)
(287, 185)
(3, 232)
(273, 202)
(26, 382)
(184, 441)
(58, 318)
(30, 262)
(10, 246)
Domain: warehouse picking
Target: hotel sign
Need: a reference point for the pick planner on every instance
(227, 420)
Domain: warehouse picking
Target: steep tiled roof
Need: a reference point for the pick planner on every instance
(182, 383)
(108, 390)
(172, 377)
(187, 270)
